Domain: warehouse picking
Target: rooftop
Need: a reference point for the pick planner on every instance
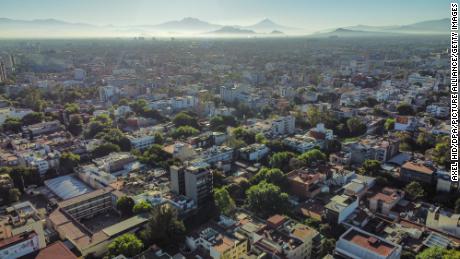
(67, 187)
(417, 167)
(369, 242)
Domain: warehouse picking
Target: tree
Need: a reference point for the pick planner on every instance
(158, 138)
(371, 167)
(163, 228)
(13, 195)
(142, 207)
(457, 206)
(104, 149)
(32, 118)
(98, 124)
(415, 190)
(328, 246)
(425, 141)
(138, 106)
(184, 132)
(438, 253)
(155, 156)
(68, 161)
(184, 119)
(127, 244)
(266, 199)
(116, 137)
(12, 124)
(441, 153)
(273, 175)
(312, 156)
(405, 109)
(125, 205)
(260, 138)
(356, 127)
(220, 123)
(389, 124)
(75, 125)
(245, 135)
(281, 160)
(71, 108)
(223, 201)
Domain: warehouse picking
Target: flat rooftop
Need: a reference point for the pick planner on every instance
(67, 187)
(369, 242)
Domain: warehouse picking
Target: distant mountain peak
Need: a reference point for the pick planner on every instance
(232, 30)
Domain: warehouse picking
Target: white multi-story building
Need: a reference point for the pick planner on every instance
(95, 177)
(107, 93)
(283, 125)
(254, 152)
(438, 110)
(141, 142)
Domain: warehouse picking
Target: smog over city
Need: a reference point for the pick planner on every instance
(223, 129)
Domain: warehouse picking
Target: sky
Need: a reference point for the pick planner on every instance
(314, 15)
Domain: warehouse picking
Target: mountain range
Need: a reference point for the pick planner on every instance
(10, 28)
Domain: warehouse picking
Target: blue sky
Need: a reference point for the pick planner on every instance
(314, 15)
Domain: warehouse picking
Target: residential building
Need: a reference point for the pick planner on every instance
(438, 110)
(340, 208)
(384, 201)
(19, 245)
(194, 182)
(115, 161)
(443, 220)
(253, 152)
(305, 183)
(413, 171)
(357, 244)
(405, 123)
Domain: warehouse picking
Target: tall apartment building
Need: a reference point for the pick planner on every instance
(194, 182)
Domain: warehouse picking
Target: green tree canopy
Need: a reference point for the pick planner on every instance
(415, 190)
(281, 160)
(438, 253)
(142, 207)
(32, 118)
(266, 199)
(223, 201)
(12, 124)
(125, 205)
(312, 156)
(163, 228)
(405, 109)
(271, 175)
(184, 132)
(127, 244)
(68, 161)
(104, 149)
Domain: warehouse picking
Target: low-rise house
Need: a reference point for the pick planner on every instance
(356, 243)
(42, 128)
(413, 171)
(115, 161)
(405, 123)
(340, 208)
(443, 220)
(304, 183)
(383, 202)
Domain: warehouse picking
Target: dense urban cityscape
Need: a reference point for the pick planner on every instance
(334, 145)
